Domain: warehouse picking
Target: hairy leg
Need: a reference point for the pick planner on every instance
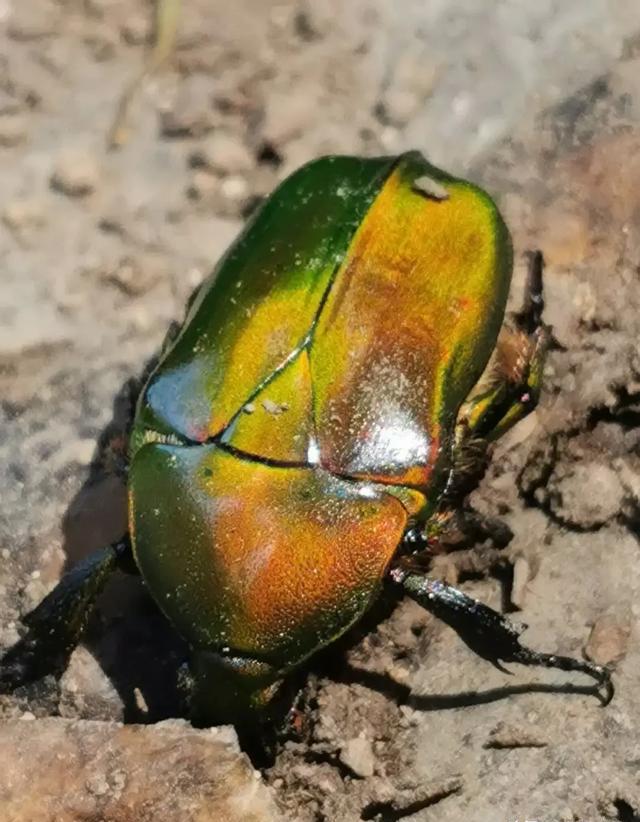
(507, 393)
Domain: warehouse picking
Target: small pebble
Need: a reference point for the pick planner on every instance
(195, 276)
(400, 105)
(412, 80)
(13, 130)
(521, 577)
(608, 640)
(76, 174)
(102, 43)
(97, 785)
(137, 275)
(357, 755)
(118, 781)
(224, 154)
(136, 30)
(390, 138)
(587, 494)
(82, 451)
(398, 672)
(287, 116)
(235, 188)
(24, 214)
(203, 186)
(141, 702)
(190, 114)
(141, 318)
(514, 736)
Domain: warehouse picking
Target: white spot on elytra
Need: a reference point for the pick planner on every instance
(431, 188)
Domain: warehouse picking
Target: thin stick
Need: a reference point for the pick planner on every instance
(166, 27)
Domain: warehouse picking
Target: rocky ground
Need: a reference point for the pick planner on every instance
(98, 252)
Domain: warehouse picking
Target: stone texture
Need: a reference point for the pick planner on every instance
(85, 691)
(357, 755)
(608, 640)
(224, 154)
(586, 494)
(58, 770)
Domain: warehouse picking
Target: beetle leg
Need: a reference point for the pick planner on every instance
(56, 625)
(511, 387)
(465, 526)
(444, 542)
(487, 632)
(508, 391)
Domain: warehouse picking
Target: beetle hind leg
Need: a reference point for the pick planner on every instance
(56, 625)
(487, 632)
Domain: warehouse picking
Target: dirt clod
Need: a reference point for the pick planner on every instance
(224, 154)
(510, 736)
(522, 575)
(24, 214)
(357, 755)
(190, 113)
(586, 494)
(76, 173)
(135, 276)
(608, 640)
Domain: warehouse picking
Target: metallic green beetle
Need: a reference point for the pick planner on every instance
(313, 430)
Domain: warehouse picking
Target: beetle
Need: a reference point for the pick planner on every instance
(313, 430)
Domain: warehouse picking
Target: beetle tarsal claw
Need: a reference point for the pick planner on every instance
(604, 687)
(490, 634)
(497, 664)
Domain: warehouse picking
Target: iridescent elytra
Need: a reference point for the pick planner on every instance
(312, 432)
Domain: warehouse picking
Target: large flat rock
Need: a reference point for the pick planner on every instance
(61, 770)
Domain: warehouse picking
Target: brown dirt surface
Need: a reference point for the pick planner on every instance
(99, 251)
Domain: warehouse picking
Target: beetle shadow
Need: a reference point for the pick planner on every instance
(127, 635)
(402, 694)
(333, 663)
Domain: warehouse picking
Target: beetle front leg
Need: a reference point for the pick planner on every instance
(487, 632)
(508, 391)
(56, 625)
(512, 384)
